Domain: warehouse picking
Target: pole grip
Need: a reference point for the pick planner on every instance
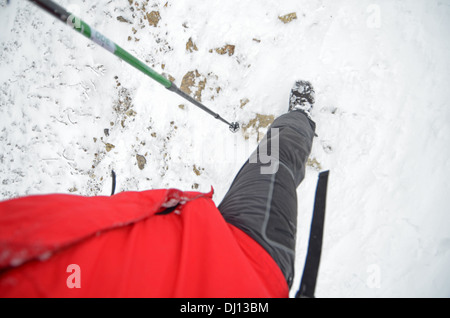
(53, 8)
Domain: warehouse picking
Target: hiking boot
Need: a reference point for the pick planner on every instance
(302, 97)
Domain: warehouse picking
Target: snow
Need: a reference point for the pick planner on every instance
(381, 73)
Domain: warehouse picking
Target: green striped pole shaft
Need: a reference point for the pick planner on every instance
(82, 27)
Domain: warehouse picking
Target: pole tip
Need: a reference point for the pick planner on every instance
(234, 127)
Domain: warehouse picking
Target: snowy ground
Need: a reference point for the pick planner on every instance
(70, 112)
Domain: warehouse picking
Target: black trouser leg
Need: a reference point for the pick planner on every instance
(262, 200)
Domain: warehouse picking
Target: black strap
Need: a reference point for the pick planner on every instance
(113, 175)
(311, 269)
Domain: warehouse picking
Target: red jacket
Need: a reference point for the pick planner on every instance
(74, 246)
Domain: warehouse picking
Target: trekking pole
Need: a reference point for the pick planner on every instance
(311, 269)
(82, 27)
